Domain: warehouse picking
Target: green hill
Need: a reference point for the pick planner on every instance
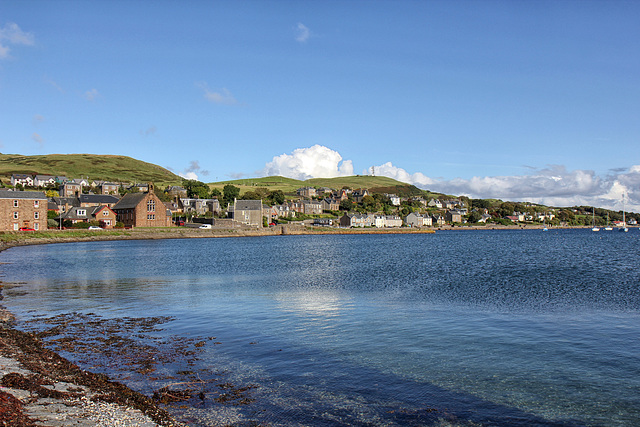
(94, 166)
(376, 184)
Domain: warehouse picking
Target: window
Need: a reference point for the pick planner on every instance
(15, 227)
(151, 216)
(36, 203)
(36, 226)
(16, 215)
(105, 213)
(36, 215)
(15, 204)
(81, 212)
(151, 206)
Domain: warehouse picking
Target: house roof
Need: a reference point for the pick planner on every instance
(73, 213)
(248, 205)
(98, 198)
(73, 201)
(129, 201)
(30, 195)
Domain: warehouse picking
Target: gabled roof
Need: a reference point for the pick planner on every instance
(98, 198)
(30, 195)
(129, 201)
(73, 201)
(248, 205)
(73, 213)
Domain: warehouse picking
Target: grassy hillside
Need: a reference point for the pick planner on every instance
(271, 183)
(379, 184)
(94, 166)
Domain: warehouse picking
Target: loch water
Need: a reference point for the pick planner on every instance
(517, 327)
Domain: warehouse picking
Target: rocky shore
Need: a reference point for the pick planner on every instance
(40, 388)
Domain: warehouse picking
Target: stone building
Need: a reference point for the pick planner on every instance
(142, 210)
(23, 209)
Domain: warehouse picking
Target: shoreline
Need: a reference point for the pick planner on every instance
(40, 387)
(12, 239)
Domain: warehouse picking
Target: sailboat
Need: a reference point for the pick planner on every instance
(608, 227)
(594, 221)
(624, 221)
(544, 222)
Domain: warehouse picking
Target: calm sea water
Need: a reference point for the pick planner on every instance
(461, 327)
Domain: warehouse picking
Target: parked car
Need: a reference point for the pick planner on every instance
(205, 226)
(180, 222)
(93, 227)
(26, 229)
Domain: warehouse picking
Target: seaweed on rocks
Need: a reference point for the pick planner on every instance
(134, 350)
(48, 366)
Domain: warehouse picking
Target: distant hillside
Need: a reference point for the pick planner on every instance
(94, 166)
(377, 184)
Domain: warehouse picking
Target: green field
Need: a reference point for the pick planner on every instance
(379, 184)
(127, 169)
(93, 166)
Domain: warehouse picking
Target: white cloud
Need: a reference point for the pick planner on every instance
(302, 33)
(402, 175)
(188, 175)
(192, 171)
(223, 96)
(12, 34)
(91, 95)
(552, 186)
(312, 162)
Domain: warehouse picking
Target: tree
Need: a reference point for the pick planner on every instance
(52, 193)
(276, 197)
(216, 194)
(250, 195)
(196, 189)
(346, 205)
(230, 192)
(369, 204)
(474, 217)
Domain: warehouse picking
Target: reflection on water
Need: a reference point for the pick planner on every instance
(517, 327)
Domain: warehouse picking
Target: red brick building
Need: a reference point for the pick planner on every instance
(142, 210)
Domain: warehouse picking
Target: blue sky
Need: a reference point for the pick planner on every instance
(518, 100)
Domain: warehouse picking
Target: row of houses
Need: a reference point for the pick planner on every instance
(69, 187)
(336, 196)
(29, 209)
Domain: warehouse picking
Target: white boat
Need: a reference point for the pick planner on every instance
(594, 221)
(624, 221)
(608, 227)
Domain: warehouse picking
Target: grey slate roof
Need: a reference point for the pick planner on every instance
(129, 201)
(30, 195)
(247, 205)
(98, 198)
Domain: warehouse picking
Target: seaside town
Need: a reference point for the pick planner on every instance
(39, 202)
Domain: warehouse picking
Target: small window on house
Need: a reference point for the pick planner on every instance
(151, 216)
(16, 215)
(15, 204)
(36, 226)
(105, 213)
(15, 227)
(36, 215)
(36, 203)
(81, 212)
(151, 206)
